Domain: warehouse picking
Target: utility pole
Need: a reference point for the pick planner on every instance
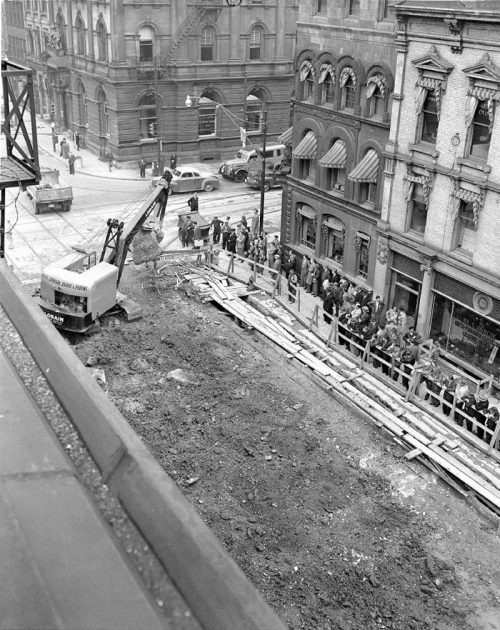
(263, 172)
(157, 106)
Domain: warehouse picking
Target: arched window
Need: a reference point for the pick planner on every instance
(80, 35)
(327, 82)
(207, 113)
(207, 51)
(256, 45)
(61, 29)
(375, 95)
(146, 43)
(254, 107)
(307, 77)
(82, 104)
(335, 162)
(148, 119)
(479, 137)
(348, 93)
(102, 41)
(333, 238)
(102, 110)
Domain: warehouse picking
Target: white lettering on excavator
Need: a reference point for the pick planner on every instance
(57, 319)
(66, 285)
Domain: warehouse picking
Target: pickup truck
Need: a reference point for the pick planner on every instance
(51, 193)
(275, 174)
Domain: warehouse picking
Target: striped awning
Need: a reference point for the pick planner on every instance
(367, 170)
(336, 156)
(286, 136)
(334, 224)
(307, 147)
(307, 211)
(469, 196)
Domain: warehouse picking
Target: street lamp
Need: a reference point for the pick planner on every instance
(189, 102)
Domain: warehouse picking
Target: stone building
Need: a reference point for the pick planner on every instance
(344, 79)
(438, 254)
(13, 31)
(120, 73)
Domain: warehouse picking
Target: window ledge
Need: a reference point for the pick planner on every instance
(462, 255)
(418, 237)
(426, 149)
(474, 163)
(148, 140)
(336, 193)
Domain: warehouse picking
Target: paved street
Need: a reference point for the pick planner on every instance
(34, 241)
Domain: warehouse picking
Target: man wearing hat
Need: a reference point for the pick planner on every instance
(226, 231)
(492, 418)
(481, 407)
(436, 379)
(450, 385)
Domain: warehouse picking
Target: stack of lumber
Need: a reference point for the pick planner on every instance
(460, 465)
(206, 283)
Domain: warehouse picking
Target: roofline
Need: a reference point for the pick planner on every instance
(477, 14)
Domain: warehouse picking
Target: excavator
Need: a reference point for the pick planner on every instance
(76, 290)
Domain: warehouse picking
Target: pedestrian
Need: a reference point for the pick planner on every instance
(310, 276)
(196, 234)
(65, 149)
(111, 161)
(255, 222)
(244, 222)
(304, 270)
(193, 202)
(142, 168)
(77, 140)
(216, 225)
(328, 304)
(189, 231)
(226, 231)
(173, 161)
(231, 244)
(62, 144)
(240, 241)
(277, 265)
(316, 281)
(54, 140)
(71, 164)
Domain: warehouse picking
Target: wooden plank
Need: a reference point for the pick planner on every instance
(412, 454)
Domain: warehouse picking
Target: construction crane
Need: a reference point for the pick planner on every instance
(76, 290)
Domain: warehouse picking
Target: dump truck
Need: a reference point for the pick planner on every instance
(76, 290)
(51, 193)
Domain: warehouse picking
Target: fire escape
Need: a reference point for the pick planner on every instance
(19, 167)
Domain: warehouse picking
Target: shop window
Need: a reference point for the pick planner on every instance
(148, 122)
(307, 231)
(207, 51)
(333, 243)
(429, 121)
(207, 117)
(362, 246)
(348, 94)
(480, 131)
(417, 210)
(465, 231)
(405, 294)
(256, 43)
(465, 334)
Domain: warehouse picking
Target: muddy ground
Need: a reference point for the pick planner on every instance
(320, 510)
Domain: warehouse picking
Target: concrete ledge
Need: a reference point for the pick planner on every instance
(216, 590)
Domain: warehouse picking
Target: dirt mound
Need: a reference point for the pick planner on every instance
(273, 465)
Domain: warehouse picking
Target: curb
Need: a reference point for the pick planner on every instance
(214, 587)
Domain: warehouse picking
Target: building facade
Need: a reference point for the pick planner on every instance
(344, 78)
(438, 253)
(121, 73)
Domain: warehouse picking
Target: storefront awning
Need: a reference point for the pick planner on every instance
(336, 156)
(307, 147)
(307, 211)
(286, 136)
(367, 170)
(334, 224)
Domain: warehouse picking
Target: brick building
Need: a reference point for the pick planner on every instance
(120, 73)
(438, 253)
(344, 78)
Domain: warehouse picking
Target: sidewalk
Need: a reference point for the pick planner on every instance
(90, 162)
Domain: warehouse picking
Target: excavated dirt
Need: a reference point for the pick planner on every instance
(319, 509)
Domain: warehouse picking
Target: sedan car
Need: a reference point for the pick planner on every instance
(189, 179)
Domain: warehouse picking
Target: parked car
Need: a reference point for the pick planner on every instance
(246, 159)
(275, 173)
(189, 179)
